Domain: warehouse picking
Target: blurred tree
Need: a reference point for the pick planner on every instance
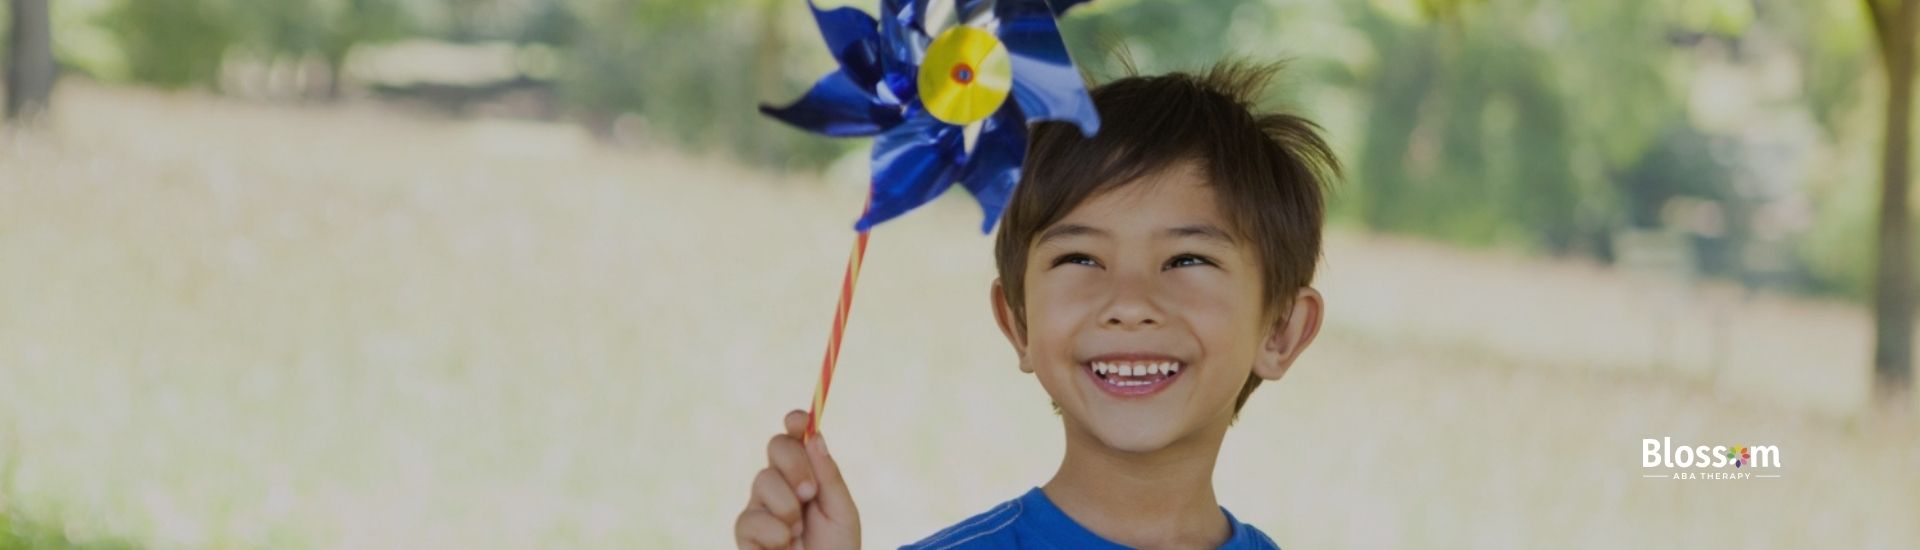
(178, 43)
(1150, 35)
(282, 31)
(470, 20)
(551, 22)
(1832, 41)
(171, 43)
(1893, 25)
(30, 68)
(1527, 122)
(1467, 134)
(349, 23)
(690, 73)
(326, 29)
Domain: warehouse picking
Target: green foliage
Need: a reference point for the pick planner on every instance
(180, 43)
(18, 532)
(329, 28)
(1468, 135)
(171, 43)
(1154, 36)
(1839, 49)
(1484, 128)
(1838, 251)
(694, 72)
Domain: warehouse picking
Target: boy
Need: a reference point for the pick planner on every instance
(1150, 277)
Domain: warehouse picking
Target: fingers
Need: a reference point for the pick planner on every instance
(787, 455)
(774, 495)
(796, 422)
(777, 512)
(758, 529)
(789, 458)
(834, 498)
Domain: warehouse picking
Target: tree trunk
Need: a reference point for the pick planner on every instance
(1893, 279)
(336, 70)
(29, 60)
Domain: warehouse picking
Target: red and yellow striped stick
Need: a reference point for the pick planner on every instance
(839, 328)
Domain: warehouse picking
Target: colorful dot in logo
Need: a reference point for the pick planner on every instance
(1739, 456)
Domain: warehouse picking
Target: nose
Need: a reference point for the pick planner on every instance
(1130, 317)
(1132, 306)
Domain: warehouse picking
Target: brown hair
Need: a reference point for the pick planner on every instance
(1268, 169)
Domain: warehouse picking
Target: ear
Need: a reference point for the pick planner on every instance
(1003, 314)
(1291, 335)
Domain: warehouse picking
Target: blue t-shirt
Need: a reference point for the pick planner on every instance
(1032, 521)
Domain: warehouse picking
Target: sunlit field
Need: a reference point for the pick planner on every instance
(233, 325)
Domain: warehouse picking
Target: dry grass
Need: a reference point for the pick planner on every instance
(235, 325)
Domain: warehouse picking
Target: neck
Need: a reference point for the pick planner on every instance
(1158, 499)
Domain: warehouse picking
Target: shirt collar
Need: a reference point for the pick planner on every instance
(1062, 530)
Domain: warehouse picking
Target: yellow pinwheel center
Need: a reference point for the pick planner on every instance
(965, 76)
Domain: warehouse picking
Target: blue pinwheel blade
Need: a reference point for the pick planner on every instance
(1045, 82)
(853, 37)
(912, 164)
(993, 169)
(838, 107)
(902, 46)
(963, 10)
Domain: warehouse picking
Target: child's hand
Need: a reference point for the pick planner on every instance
(799, 500)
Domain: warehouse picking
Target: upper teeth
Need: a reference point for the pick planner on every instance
(1136, 369)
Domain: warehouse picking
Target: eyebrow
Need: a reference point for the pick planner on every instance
(1201, 230)
(1069, 230)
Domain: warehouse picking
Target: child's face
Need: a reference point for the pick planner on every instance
(1145, 280)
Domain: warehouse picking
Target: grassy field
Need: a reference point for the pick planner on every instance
(235, 325)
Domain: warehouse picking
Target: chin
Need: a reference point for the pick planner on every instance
(1119, 431)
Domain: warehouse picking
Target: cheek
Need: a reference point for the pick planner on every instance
(1213, 301)
(1223, 312)
(1055, 307)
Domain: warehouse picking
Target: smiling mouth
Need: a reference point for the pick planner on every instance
(1133, 378)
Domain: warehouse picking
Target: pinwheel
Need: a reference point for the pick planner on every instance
(946, 88)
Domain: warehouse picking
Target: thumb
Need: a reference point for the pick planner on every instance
(834, 499)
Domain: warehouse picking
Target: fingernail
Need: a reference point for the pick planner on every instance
(818, 442)
(805, 492)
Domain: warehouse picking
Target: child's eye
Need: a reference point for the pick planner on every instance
(1187, 260)
(1075, 258)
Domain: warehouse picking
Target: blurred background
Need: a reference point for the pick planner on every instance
(536, 274)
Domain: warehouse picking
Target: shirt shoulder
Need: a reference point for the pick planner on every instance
(990, 529)
(1247, 537)
(1258, 540)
